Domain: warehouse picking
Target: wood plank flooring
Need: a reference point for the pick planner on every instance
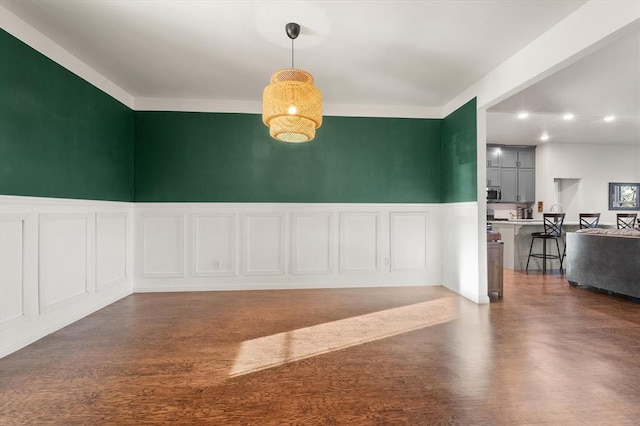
(546, 354)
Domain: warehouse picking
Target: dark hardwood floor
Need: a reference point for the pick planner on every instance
(546, 354)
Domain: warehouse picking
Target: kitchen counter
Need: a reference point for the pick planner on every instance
(522, 221)
(540, 221)
(525, 222)
(516, 235)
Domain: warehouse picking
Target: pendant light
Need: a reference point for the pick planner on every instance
(291, 104)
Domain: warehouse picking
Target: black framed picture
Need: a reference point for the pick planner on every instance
(624, 196)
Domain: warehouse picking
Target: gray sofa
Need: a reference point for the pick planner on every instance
(605, 259)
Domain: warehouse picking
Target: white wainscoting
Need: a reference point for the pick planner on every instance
(410, 241)
(111, 242)
(60, 260)
(11, 270)
(231, 246)
(214, 244)
(64, 270)
(359, 242)
(161, 245)
(263, 240)
(312, 243)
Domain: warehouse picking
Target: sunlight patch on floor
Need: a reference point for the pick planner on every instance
(278, 349)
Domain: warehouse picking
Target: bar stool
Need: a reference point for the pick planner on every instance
(626, 220)
(552, 231)
(587, 220)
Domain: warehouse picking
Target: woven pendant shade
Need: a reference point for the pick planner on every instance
(292, 106)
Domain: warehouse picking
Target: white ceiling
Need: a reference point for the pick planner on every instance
(607, 82)
(405, 54)
(390, 53)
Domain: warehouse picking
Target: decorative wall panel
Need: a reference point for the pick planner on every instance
(264, 247)
(214, 245)
(163, 246)
(63, 257)
(359, 242)
(312, 243)
(409, 233)
(11, 269)
(111, 249)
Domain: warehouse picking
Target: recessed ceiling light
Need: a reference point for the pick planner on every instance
(523, 115)
(568, 117)
(609, 118)
(544, 137)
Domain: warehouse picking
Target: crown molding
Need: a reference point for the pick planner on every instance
(41, 43)
(44, 45)
(255, 107)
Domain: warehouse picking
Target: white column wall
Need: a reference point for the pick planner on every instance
(60, 260)
(460, 257)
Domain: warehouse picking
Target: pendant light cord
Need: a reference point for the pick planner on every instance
(292, 67)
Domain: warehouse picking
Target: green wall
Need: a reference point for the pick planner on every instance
(459, 159)
(231, 158)
(62, 137)
(59, 135)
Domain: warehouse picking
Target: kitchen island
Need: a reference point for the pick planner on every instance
(516, 235)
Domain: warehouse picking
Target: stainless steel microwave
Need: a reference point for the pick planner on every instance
(493, 194)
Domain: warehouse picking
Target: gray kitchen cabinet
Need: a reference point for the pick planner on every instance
(518, 157)
(509, 157)
(526, 185)
(516, 174)
(493, 156)
(527, 159)
(509, 184)
(493, 176)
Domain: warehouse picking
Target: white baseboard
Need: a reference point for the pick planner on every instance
(37, 328)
